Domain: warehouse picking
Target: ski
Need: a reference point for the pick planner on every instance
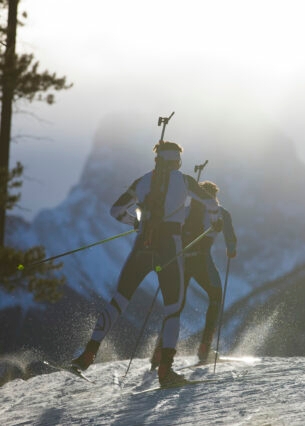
(69, 369)
(175, 386)
(221, 359)
(232, 377)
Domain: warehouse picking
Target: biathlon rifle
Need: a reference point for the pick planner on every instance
(164, 121)
(199, 169)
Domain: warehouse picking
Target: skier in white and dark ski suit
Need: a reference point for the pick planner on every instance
(161, 195)
(199, 265)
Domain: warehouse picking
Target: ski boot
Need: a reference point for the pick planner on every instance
(167, 377)
(87, 357)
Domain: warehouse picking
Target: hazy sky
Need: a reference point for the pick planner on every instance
(153, 57)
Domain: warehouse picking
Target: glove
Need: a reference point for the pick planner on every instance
(217, 225)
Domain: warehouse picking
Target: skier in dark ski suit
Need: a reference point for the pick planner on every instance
(199, 265)
(161, 195)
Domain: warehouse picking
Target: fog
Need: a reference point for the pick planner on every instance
(216, 64)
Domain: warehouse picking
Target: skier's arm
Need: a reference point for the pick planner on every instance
(119, 210)
(229, 233)
(199, 194)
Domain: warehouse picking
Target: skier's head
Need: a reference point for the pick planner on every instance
(210, 187)
(168, 154)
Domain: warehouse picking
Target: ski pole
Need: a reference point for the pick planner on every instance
(21, 267)
(165, 121)
(221, 312)
(140, 334)
(199, 168)
(159, 268)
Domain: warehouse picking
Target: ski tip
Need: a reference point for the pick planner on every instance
(69, 368)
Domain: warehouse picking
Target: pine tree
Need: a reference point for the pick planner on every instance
(21, 79)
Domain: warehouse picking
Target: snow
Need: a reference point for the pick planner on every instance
(267, 391)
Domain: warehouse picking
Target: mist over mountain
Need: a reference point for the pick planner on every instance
(261, 182)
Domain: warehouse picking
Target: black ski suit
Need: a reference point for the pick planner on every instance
(144, 258)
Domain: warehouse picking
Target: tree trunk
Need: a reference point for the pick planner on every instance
(8, 87)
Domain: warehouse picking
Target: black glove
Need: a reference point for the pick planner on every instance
(217, 225)
(136, 224)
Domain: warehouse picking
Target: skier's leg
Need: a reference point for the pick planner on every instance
(211, 283)
(104, 323)
(135, 269)
(156, 357)
(171, 282)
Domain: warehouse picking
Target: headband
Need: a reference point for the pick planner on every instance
(169, 155)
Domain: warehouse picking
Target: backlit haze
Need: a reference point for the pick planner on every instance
(209, 61)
